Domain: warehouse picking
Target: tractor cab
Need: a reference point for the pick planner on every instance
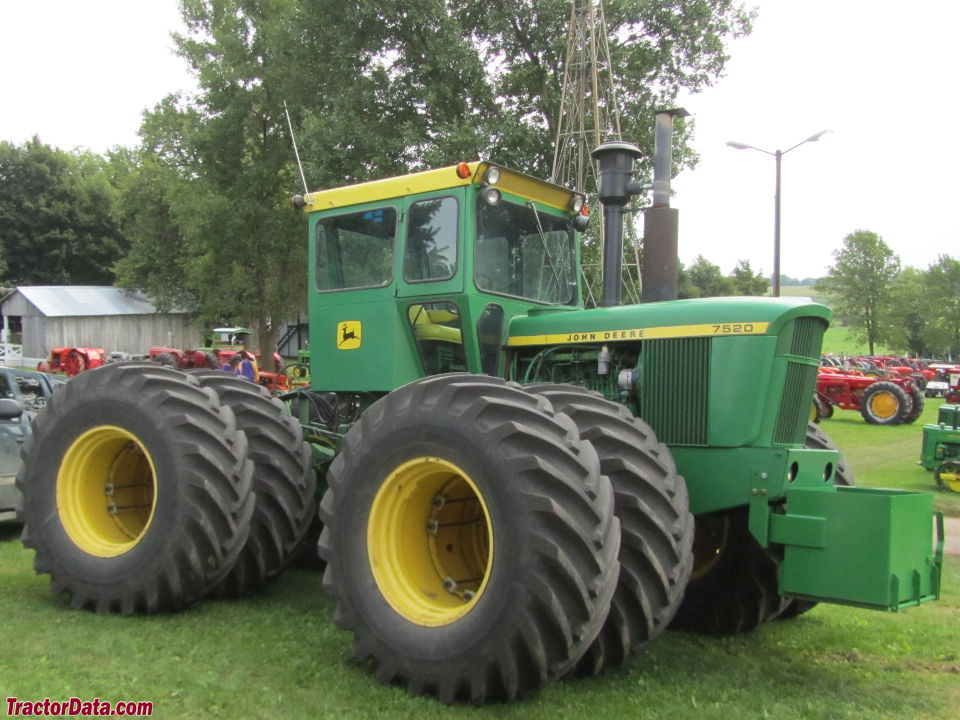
(418, 275)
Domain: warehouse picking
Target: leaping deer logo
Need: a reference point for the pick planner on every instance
(348, 335)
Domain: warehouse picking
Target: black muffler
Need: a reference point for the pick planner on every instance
(615, 187)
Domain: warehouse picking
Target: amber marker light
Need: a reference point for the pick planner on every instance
(463, 170)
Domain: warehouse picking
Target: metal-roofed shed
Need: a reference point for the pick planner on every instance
(49, 316)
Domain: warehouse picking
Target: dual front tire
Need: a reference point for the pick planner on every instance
(470, 539)
(734, 587)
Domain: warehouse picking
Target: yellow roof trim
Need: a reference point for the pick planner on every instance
(445, 178)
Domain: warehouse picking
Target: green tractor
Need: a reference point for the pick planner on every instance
(514, 488)
(940, 452)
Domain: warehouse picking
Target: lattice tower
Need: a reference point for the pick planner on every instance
(589, 116)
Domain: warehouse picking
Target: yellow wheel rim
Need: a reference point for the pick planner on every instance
(884, 405)
(813, 412)
(430, 541)
(106, 491)
(710, 537)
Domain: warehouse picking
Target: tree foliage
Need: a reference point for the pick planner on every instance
(218, 234)
(374, 89)
(417, 83)
(56, 225)
(914, 311)
(704, 279)
(746, 282)
(941, 288)
(860, 283)
(904, 324)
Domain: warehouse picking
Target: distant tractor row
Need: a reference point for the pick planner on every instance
(223, 344)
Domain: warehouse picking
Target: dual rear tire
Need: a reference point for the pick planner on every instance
(140, 487)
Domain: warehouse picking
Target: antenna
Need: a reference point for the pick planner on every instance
(296, 154)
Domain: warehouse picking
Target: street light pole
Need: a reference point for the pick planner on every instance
(778, 155)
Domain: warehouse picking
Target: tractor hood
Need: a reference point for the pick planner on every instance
(706, 317)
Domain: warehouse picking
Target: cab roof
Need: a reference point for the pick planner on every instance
(453, 176)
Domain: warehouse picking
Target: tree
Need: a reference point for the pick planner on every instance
(159, 256)
(708, 279)
(942, 289)
(860, 281)
(220, 235)
(905, 325)
(374, 89)
(56, 223)
(746, 282)
(431, 82)
(685, 287)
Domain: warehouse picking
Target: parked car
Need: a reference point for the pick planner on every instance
(23, 393)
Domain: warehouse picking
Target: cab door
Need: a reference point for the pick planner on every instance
(431, 280)
(431, 262)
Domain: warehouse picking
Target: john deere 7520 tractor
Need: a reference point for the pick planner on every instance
(514, 488)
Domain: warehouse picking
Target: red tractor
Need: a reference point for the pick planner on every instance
(183, 359)
(905, 367)
(72, 360)
(887, 401)
(224, 344)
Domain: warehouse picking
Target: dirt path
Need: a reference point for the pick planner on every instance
(952, 531)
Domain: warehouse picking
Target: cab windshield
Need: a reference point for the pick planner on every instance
(526, 253)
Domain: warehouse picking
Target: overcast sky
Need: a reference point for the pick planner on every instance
(881, 75)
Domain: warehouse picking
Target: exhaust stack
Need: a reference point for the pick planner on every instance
(661, 222)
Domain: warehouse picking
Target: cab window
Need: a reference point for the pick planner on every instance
(526, 253)
(438, 334)
(355, 250)
(431, 249)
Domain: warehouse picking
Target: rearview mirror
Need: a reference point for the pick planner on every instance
(10, 409)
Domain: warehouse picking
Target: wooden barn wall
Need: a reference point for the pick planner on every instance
(17, 304)
(123, 333)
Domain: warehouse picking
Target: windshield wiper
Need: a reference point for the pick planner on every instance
(546, 250)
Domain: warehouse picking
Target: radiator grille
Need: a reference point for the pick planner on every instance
(675, 385)
(791, 427)
(807, 337)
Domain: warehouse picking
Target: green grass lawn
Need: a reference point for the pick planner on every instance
(839, 340)
(279, 655)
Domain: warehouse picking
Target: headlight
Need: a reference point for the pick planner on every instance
(576, 203)
(492, 176)
(490, 195)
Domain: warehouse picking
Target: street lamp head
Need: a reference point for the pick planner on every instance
(738, 145)
(814, 138)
